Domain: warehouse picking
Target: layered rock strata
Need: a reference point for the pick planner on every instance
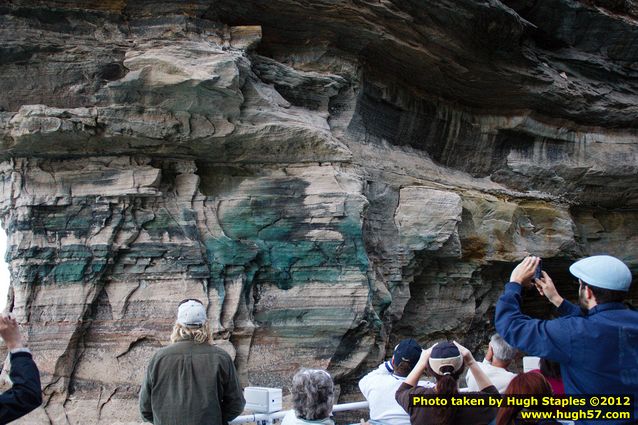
(328, 178)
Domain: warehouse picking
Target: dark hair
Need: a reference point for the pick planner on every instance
(531, 384)
(446, 385)
(550, 368)
(603, 295)
(403, 368)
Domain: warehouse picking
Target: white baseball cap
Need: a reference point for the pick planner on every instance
(191, 313)
(603, 271)
(445, 354)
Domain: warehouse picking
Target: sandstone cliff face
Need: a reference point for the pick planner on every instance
(329, 177)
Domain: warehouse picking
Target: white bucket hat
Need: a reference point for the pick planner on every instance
(191, 313)
(603, 271)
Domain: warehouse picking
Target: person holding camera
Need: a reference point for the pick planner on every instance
(446, 361)
(595, 343)
(386, 379)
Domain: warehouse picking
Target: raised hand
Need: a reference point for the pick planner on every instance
(419, 368)
(10, 332)
(545, 287)
(482, 380)
(524, 271)
(468, 358)
(425, 356)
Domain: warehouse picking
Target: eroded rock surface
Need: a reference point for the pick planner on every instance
(327, 177)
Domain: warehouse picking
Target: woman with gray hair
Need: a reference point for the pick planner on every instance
(312, 398)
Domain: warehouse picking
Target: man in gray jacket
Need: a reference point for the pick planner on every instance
(191, 382)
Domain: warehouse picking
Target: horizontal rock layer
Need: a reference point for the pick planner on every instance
(328, 178)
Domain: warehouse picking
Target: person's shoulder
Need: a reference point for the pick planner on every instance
(381, 382)
(569, 324)
(486, 366)
(489, 390)
(213, 351)
(24, 356)
(416, 390)
(289, 418)
(381, 370)
(163, 351)
(181, 348)
(627, 311)
(423, 390)
(374, 377)
(504, 372)
(509, 373)
(160, 354)
(188, 348)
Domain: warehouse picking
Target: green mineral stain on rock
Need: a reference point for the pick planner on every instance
(81, 222)
(35, 253)
(305, 322)
(245, 221)
(147, 250)
(282, 255)
(223, 253)
(280, 230)
(271, 232)
(69, 263)
(163, 222)
(97, 266)
(328, 275)
(75, 252)
(71, 271)
(270, 275)
(199, 271)
(227, 251)
(351, 229)
(35, 274)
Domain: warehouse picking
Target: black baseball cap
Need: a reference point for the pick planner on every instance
(407, 350)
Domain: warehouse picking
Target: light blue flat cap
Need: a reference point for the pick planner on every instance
(603, 271)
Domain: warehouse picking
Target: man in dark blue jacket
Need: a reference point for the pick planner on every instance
(26, 393)
(596, 344)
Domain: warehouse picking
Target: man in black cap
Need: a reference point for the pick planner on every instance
(379, 386)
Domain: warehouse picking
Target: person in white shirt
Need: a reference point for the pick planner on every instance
(379, 386)
(498, 358)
